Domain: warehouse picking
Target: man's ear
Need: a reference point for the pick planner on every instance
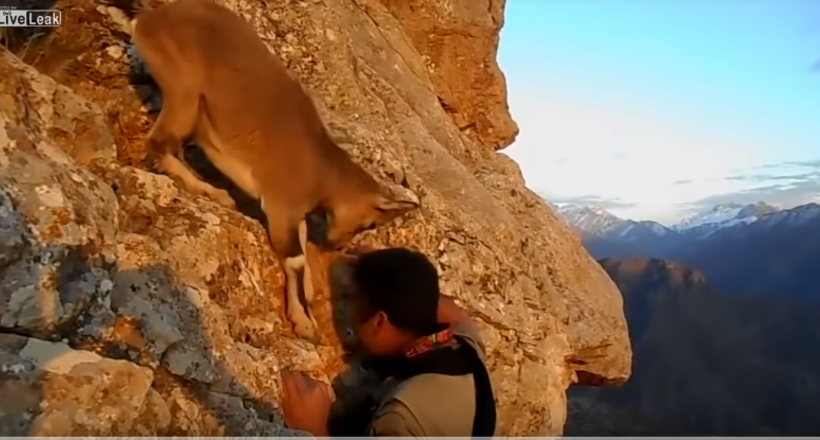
(381, 320)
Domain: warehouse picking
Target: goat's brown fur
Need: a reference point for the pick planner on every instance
(222, 86)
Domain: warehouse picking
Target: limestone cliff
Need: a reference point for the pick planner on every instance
(160, 313)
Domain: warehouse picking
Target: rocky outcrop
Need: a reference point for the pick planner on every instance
(123, 295)
(458, 42)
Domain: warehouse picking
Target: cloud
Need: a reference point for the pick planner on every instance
(808, 164)
(785, 184)
(775, 177)
(682, 182)
(786, 173)
(784, 195)
(619, 155)
(591, 200)
(814, 163)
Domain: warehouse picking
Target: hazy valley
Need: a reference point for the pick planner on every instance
(722, 311)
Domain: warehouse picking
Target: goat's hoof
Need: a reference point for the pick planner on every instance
(307, 332)
(224, 198)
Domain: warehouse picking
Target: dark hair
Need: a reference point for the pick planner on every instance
(403, 284)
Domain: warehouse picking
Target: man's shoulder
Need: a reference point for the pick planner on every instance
(433, 404)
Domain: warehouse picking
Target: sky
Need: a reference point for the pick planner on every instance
(657, 109)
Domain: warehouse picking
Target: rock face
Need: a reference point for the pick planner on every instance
(458, 42)
(123, 295)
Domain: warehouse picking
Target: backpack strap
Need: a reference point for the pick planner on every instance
(458, 361)
(484, 422)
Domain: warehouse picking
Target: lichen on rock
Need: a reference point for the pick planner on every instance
(171, 307)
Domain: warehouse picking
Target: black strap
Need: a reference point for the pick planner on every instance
(485, 414)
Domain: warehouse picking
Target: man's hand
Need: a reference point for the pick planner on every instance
(306, 403)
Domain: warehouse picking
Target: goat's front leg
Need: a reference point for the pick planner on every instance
(295, 264)
(303, 323)
(283, 236)
(308, 279)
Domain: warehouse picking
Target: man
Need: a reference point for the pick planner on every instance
(421, 341)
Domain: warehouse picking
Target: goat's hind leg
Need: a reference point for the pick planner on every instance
(176, 123)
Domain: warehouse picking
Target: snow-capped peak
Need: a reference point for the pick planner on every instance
(589, 219)
(757, 210)
(656, 228)
(794, 216)
(725, 215)
(597, 221)
(587, 209)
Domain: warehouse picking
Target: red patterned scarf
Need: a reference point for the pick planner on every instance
(441, 339)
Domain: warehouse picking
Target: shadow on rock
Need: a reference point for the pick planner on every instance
(188, 369)
(145, 366)
(129, 308)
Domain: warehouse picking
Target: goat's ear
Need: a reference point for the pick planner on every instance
(393, 205)
(387, 204)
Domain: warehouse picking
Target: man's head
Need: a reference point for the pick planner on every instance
(396, 299)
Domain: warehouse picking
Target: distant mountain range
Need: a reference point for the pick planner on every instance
(705, 363)
(593, 221)
(753, 249)
(723, 216)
